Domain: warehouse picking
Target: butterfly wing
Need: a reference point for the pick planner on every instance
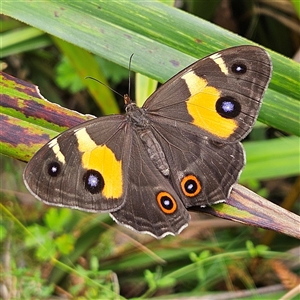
(85, 167)
(152, 206)
(219, 95)
(202, 171)
(200, 114)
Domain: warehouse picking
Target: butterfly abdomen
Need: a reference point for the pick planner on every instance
(155, 151)
(141, 125)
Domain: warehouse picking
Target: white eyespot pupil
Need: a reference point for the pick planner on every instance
(227, 106)
(190, 186)
(53, 169)
(167, 202)
(93, 181)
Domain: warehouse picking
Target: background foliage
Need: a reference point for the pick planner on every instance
(73, 254)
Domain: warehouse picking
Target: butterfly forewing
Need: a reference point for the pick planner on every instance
(84, 167)
(218, 96)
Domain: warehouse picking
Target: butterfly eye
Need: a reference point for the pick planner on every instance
(190, 186)
(93, 181)
(54, 169)
(166, 202)
(238, 68)
(227, 107)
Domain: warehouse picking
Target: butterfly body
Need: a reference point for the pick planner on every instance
(181, 149)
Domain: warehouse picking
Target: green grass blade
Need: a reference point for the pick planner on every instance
(272, 158)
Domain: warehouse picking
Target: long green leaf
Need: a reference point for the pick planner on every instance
(161, 46)
(272, 158)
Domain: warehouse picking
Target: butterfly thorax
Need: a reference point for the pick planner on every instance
(137, 116)
(138, 119)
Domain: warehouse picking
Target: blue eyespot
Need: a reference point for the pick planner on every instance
(227, 107)
(54, 169)
(93, 181)
(239, 68)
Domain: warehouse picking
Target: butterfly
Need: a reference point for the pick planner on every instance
(181, 149)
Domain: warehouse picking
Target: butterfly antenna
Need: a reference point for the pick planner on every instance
(89, 77)
(129, 69)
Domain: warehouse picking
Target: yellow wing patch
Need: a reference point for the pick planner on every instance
(217, 58)
(56, 149)
(102, 159)
(201, 105)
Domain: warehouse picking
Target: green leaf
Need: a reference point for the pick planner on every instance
(38, 235)
(40, 239)
(85, 65)
(145, 86)
(3, 233)
(21, 40)
(161, 47)
(28, 121)
(296, 4)
(65, 243)
(256, 251)
(271, 158)
(67, 78)
(56, 219)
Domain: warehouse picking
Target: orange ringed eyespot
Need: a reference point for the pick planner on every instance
(166, 202)
(190, 186)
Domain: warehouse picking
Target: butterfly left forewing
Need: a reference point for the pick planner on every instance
(84, 167)
(218, 96)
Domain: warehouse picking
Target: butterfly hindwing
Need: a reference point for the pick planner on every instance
(209, 167)
(152, 205)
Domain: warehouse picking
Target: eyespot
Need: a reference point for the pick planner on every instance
(239, 68)
(190, 186)
(93, 181)
(227, 107)
(54, 169)
(166, 202)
